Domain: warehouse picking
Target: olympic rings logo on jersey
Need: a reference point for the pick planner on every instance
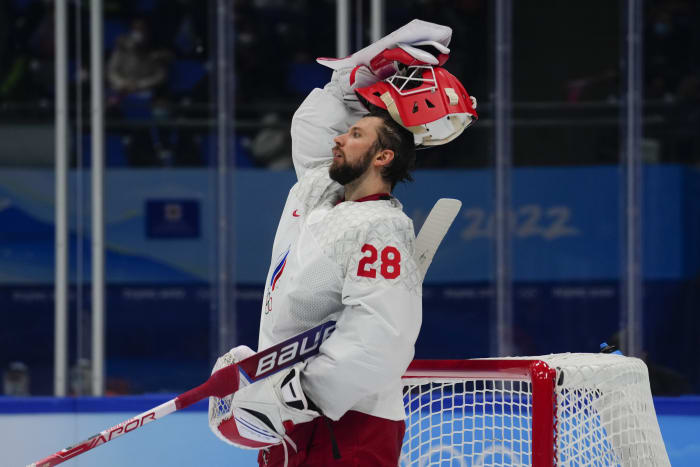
(268, 302)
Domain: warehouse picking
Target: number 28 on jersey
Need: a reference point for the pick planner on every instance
(387, 262)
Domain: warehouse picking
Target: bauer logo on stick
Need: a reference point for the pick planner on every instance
(291, 351)
(286, 353)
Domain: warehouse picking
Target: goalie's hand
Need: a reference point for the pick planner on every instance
(265, 411)
(389, 61)
(416, 43)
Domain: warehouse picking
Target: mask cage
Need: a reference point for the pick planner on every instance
(411, 80)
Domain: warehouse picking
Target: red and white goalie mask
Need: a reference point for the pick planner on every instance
(428, 101)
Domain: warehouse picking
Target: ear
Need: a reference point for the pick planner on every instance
(384, 157)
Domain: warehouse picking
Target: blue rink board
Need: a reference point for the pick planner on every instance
(35, 427)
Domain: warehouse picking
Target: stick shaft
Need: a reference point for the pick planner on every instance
(108, 435)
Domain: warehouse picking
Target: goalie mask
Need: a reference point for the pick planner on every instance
(428, 101)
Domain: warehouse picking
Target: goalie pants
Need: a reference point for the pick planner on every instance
(362, 439)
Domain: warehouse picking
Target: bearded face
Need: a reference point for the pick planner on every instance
(354, 151)
(344, 171)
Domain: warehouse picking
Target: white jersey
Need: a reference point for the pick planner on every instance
(350, 261)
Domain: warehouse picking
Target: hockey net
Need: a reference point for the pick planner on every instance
(561, 409)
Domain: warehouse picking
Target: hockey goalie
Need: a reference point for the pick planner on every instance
(344, 251)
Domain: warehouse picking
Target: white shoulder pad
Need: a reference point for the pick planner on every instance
(415, 33)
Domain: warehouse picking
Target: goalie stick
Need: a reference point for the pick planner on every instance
(220, 384)
(433, 231)
(266, 362)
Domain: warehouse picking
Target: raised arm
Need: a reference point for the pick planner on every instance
(330, 111)
(324, 114)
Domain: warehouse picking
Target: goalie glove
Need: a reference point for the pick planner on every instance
(220, 408)
(390, 61)
(387, 63)
(261, 414)
(236, 354)
(416, 43)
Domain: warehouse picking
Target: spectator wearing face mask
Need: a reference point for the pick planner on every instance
(134, 65)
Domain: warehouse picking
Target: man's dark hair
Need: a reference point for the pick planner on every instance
(391, 135)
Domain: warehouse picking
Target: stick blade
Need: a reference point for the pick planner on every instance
(433, 231)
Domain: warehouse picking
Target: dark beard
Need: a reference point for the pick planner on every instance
(347, 173)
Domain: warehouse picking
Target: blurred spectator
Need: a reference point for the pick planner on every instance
(272, 145)
(137, 72)
(670, 43)
(16, 380)
(163, 60)
(134, 65)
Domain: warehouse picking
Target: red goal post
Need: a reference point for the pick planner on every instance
(560, 409)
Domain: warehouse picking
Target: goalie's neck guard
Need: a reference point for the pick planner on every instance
(428, 101)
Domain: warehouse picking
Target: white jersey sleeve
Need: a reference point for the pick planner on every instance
(324, 114)
(381, 316)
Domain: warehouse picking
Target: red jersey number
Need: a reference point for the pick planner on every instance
(390, 266)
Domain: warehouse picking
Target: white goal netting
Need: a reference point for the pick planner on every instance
(563, 409)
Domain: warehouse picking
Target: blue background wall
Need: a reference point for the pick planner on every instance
(572, 213)
(160, 237)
